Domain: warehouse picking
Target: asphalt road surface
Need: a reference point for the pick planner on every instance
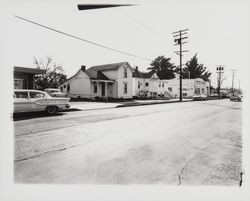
(191, 143)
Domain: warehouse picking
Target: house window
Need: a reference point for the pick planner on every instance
(184, 94)
(61, 89)
(125, 88)
(64, 86)
(159, 84)
(170, 89)
(162, 84)
(125, 73)
(197, 91)
(202, 90)
(18, 83)
(184, 89)
(95, 87)
(139, 84)
(68, 87)
(146, 84)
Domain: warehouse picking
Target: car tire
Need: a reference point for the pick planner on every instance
(51, 110)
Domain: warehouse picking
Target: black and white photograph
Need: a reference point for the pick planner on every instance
(124, 100)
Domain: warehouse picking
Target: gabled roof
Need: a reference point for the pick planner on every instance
(149, 74)
(93, 74)
(140, 74)
(111, 66)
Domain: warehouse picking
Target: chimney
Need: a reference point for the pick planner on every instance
(136, 69)
(83, 68)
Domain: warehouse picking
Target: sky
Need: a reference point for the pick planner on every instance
(218, 33)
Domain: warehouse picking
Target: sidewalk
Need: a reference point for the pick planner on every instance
(101, 105)
(151, 102)
(85, 105)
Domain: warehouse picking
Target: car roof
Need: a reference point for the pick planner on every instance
(28, 90)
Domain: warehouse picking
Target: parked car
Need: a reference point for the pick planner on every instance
(235, 97)
(199, 97)
(26, 100)
(53, 92)
(214, 95)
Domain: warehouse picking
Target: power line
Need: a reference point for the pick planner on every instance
(82, 39)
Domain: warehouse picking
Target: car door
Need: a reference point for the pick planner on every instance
(38, 101)
(22, 102)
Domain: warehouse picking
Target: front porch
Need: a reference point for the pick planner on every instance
(103, 89)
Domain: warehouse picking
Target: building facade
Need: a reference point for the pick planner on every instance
(104, 81)
(24, 78)
(190, 87)
(148, 85)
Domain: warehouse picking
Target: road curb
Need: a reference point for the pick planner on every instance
(73, 109)
(133, 104)
(154, 103)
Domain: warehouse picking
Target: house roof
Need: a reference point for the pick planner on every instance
(28, 70)
(93, 74)
(140, 74)
(111, 66)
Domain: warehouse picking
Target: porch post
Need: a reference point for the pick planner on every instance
(106, 90)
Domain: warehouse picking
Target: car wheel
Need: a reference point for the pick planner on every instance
(51, 110)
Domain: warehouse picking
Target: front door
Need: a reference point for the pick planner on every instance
(103, 89)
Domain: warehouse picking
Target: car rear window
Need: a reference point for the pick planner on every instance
(21, 94)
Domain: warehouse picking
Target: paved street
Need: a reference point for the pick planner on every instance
(191, 143)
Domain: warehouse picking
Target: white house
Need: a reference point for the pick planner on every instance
(105, 81)
(148, 85)
(189, 87)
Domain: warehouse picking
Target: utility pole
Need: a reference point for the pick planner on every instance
(209, 80)
(219, 70)
(178, 37)
(233, 70)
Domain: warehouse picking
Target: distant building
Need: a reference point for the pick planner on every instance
(189, 87)
(225, 90)
(24, 78)
(148, 85)
(104, 81)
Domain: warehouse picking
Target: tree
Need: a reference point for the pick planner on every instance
(53, 76)
(163, 67)
(194, 70)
